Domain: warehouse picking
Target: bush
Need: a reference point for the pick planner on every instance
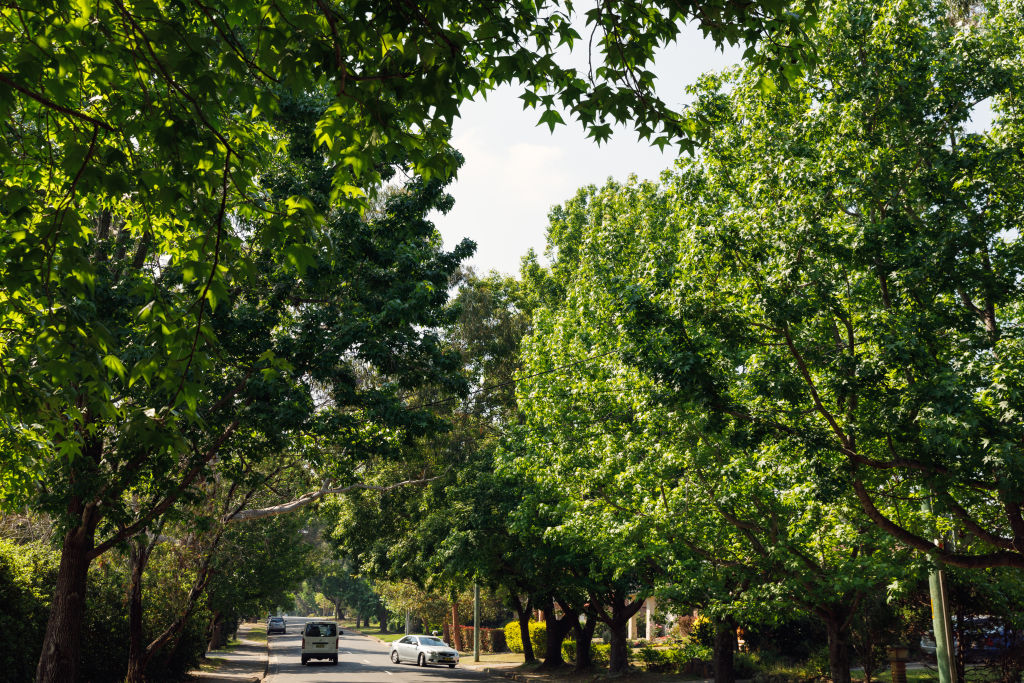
(496, 640)
(27, 573)
(513, 638)
(105, 631)
(688, 658)
(569, 650)
(538, 636)
(655, 659)
(491, 639)
(702, 631)
(744, 666)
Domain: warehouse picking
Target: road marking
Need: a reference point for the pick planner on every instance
(388, 672)
(367, 661)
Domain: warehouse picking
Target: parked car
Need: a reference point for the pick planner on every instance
(276, 625)
(424, 650)
(984, 639)
(320, 641)
(928, 644)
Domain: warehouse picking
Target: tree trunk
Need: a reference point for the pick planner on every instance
(62, 644)
(584, 636)
(725, 643)
(456, 627)
(618, 647)
(556, 631)
(382, 618)
(337, 610)
(217, 639)
(523, 612)
(621, 612)
(137, 556)
(837, 627)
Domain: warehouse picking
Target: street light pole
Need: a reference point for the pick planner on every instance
(476, 622)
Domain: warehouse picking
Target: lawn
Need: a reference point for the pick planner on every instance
(370, 631)
(257, 632)
(211, 664)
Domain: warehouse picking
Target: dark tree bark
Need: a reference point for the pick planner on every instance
(556, 630)
(617, 615)
(837, 625)
(138, 555)
(217, 637)
(725, 645)
(584, 637)
(62, 643)
(382, 617)
(523, 611)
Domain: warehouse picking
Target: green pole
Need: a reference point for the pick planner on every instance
(476, 622)
(940, 617)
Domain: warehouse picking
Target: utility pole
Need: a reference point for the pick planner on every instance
(941, 626)
(476, 622)
(408, 622)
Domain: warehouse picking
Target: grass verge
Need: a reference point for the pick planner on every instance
(211, 664)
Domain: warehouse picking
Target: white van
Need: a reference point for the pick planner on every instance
(320, 641)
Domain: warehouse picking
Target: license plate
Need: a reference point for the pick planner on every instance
(320, 645)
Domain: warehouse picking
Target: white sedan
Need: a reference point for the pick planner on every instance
(423, 650)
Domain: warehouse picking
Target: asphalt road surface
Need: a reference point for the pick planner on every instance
(360, 660)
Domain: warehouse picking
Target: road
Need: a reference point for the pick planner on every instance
(360, 660)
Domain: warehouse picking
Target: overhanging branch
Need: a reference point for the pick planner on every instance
(307, 498)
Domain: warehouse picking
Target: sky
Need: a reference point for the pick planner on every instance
(515, 171)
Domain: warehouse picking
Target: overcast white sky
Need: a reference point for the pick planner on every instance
(516, 171)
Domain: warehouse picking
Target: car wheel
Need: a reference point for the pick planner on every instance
(422, 661)
(304, 660)
(334, 659)
(394, 657)
(451, 666)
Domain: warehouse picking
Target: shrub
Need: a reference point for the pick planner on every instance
(514, 641)
(655, 659)
(26, 573)
(694, 651)
(513, 638)
(538, 636)
(491, 639)
(687, 658)
(496, 640)
(569, 650)
(702, 631)
(744, 666)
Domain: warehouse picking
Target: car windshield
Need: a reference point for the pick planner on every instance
(321, 630)
(276, 619)
(430, 640)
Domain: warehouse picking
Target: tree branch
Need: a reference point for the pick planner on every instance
(307, 498)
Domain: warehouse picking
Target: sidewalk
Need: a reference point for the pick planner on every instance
(246, 662)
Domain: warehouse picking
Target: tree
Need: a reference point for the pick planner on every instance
(135, 204)
(733, 519)
(286, 377)
(846, 273)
